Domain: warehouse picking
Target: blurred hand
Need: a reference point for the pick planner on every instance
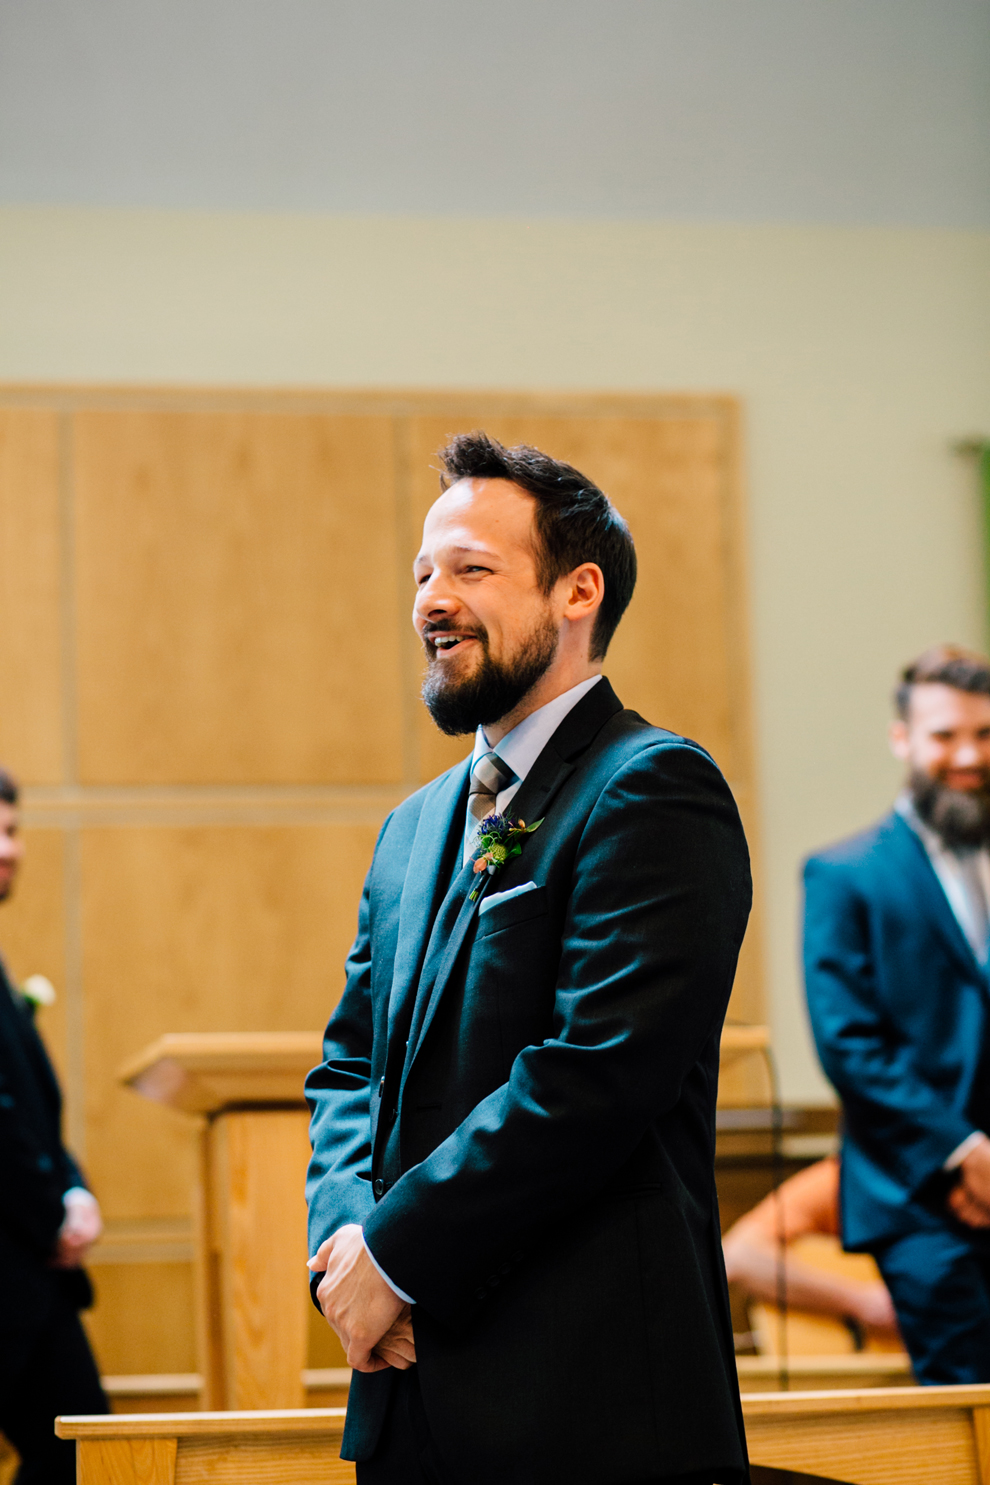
(358, 1304)
(966, 1208)
(874, 1308)
(970, 1200)
(79, 1231)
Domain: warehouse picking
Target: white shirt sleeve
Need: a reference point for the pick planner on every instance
(407, 1298)
(955, 1159)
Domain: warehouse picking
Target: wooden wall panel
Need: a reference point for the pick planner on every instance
(674, 653)
(237, 599)
(209, 929)
(142, 1321)
(31, 741)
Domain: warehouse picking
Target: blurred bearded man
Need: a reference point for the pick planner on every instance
(897, 950)
(514, 1127)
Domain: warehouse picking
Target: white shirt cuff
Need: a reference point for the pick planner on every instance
(78, 1193)
(407, 1298)
(958, 1155)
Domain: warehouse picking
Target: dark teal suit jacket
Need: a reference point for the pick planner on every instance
(899, 1010)
(548, 1073)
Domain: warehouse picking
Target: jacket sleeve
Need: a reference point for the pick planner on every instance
(31, 1181)
(904, 1124)
(659, 900)
(338, 1183)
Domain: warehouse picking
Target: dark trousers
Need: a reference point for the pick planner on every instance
(939, 1281)
(50, 1372)
(407, 1455)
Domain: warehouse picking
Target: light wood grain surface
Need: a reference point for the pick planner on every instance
(233, 1423)
(237, 602)
(204, 1072)
(258, 1229)
(880, 1436)
(32, 717)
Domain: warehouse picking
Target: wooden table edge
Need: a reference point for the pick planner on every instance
(274, 1423)
(865, 1400)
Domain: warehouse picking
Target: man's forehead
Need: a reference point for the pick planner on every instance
(935, 705)
(479, 514)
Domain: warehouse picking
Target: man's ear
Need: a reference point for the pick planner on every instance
(584, 591)
(897, 736)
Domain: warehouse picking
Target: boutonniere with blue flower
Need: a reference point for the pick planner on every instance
(500, 840)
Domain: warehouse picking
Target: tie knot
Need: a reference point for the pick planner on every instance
(489, 775)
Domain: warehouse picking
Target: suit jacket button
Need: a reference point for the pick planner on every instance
(379, 1186)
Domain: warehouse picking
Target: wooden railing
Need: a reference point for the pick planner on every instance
(876, 1436)
(296, 1447)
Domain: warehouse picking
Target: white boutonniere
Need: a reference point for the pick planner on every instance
(38, 990)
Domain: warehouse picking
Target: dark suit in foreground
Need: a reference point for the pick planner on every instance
(519, 1107)
(899, 1009)
(45, 1363)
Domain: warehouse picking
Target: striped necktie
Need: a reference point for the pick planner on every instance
(489, 776)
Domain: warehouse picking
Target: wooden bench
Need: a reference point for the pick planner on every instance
(876, 1436)
(293, 1447)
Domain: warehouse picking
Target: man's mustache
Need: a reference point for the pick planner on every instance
(448, 626)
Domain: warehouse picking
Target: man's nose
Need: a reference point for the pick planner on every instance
(966, 754)
(433, 600)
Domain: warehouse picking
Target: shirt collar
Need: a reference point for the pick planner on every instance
(520, 748)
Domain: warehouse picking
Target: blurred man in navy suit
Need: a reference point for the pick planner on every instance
(48, 1219)
(897, 941)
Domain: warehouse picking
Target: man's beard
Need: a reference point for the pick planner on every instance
(494, 689)
(959, 817)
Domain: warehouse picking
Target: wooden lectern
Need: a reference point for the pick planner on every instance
(251, 1281)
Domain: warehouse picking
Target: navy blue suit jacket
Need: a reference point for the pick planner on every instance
(899, 1010)
(551, 1069)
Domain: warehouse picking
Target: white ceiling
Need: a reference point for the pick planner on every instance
(866, 111)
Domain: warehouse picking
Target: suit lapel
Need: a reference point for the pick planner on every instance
(423, 888)
(544, 781)
(931, 893)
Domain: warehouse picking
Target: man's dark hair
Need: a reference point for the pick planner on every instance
(575, 522)
(943, 665)
(8, 787)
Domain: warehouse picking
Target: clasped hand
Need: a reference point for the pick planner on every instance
(970, 1199)
(373, 1323)
(79, 1231)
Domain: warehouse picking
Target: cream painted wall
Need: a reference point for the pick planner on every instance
(859, 353)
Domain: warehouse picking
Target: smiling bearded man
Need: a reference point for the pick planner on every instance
(897, 969)
(514, 1125)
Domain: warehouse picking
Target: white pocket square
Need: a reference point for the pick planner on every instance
(493, 898)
